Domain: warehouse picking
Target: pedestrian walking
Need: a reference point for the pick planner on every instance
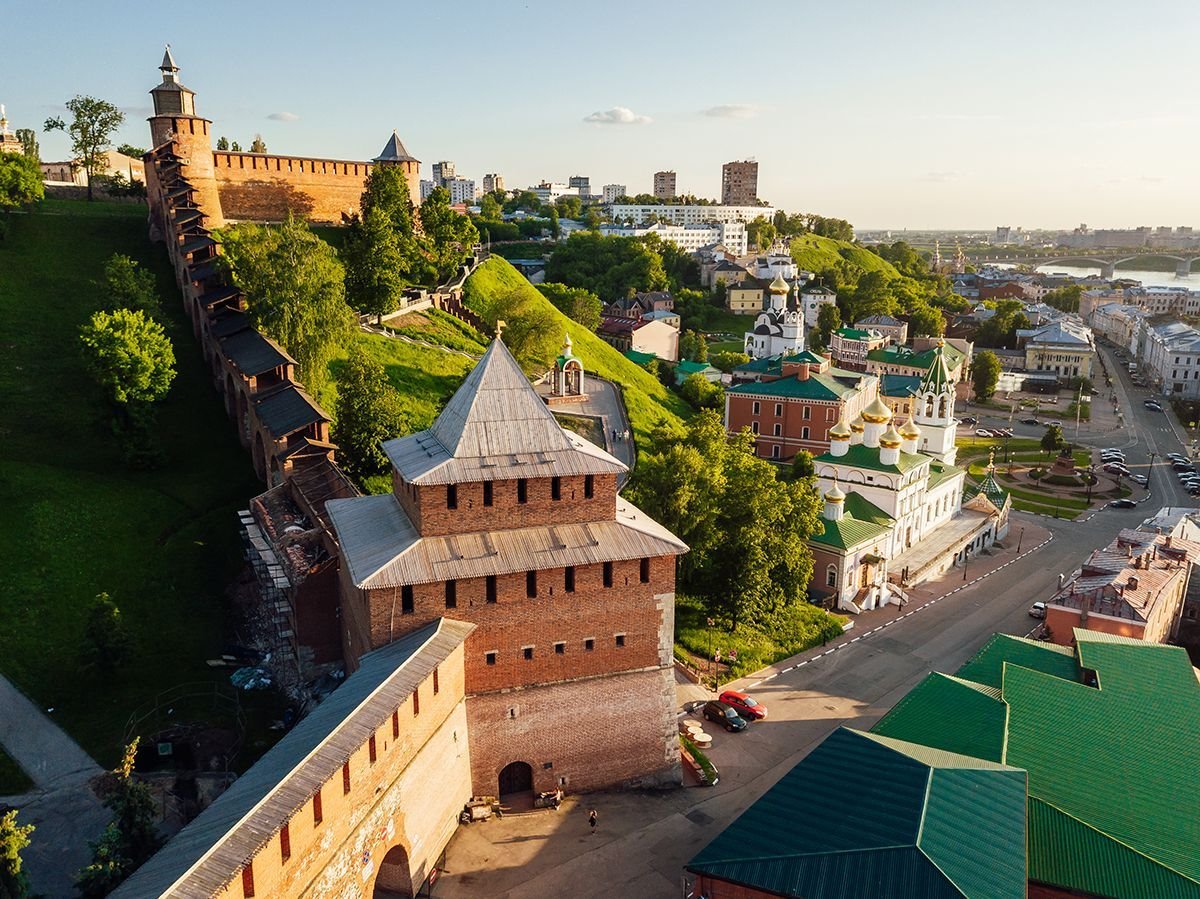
(558, 797)
(592, 820)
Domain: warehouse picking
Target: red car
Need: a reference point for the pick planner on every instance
(744, 705)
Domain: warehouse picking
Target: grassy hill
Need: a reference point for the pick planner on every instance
(648, 401)
(815, 253)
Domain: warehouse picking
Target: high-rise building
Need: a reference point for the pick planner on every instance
(581, 183)
(462, 190)
(613, 192)
(739, 183)
(664, 185)
(492, 182)
(443, 172)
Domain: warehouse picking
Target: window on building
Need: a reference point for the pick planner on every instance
(527, 653)
(556, 488)
(396, 724)
(620, 639)
(807, 413)
(755, 408)
(406, 599)
(451, 594)
(452, 496)
(345, 778)
(416, 702)
(490, 658)
(285, 843)
(531, 584)
(491, 588)
(371, 749)
(775, 452)
(753, 427)
(560, 648)
(487, 493)
(804, 433)
(644, 571)
(248, 880)
(778, 429)
(435, 681)
(779, 409)
(569, 578)
(589, 486)
(522, 490)
(831, 576)
(317, 816)
(589, 644)
(608, 574)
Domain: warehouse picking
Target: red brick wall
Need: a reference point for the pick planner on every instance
(595, 733)
(792, 423)
(428, 510)
(259, 187)
(193, 144)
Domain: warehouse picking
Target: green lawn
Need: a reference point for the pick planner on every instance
(814, 253)
(647, 400)
(77, 522)
(13, 781)
(435, 326)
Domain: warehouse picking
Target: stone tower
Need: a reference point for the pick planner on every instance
(394, 153)
(175, 121)
(934, 405)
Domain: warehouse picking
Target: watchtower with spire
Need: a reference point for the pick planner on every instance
(933, 407)
(395, 153)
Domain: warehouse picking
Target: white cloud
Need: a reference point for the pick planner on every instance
(731, 111)
(618, 115)
(284, 117)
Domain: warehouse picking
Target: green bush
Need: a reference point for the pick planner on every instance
(706, 766)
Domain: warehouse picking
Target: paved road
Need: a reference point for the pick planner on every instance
(646, 839)
(62, 807)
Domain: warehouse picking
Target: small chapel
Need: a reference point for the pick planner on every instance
(779, 328)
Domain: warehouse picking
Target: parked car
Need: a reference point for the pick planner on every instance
(1054, 424)
(1183, 466)
(724, 714)
(983, 432)
(1116, 468)
(1139, 479)
(1122, 504)
(1152, 405)
(1176, 457)
(1037, 610)
(1113, 449)
(1029, 421)
(1112, 454)
(746, 706)
(970, 420)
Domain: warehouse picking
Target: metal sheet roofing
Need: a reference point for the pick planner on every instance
(203, 857)
(287, 410)
(253, 353)
(382, 548)
(227, 322)
(832, 384)
(864, 815)
(848, 532)
(979, 717)
(987, 665)
(495, 427)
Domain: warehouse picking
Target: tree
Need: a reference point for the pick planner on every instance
(92, 125)
(693, 346)
(761, 233)
(386, 190)
(222, 143)
(20, 180)
(235, 147)
(29, 142)
(568, 206)
(106, 642)
(611, 267)
(131, 150)
(532, 332)
(128, 355)
(368, 411)
(1053, 440)
(377, 268)
(727, 360)
(702, 393)
(14, 838)
(555, 227)
(131, 836)
(489, 208)
(802, 465)
(1064, 298)
(577, 304)
(449, 237)
(130, 287)
(295, 290)
(985, 374)
(258, 145)
(926, 321)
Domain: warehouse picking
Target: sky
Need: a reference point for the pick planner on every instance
(924, 115)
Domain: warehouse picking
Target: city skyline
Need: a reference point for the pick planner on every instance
(936, 118)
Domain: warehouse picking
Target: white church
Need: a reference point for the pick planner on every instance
(779, 328)
(895, 513)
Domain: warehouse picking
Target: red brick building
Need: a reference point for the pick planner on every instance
(501, 518)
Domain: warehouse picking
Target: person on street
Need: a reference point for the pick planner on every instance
(592, 820)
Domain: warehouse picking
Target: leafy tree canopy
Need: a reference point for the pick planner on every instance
(450, 236)
(129, 355)
(377, 267)
(985, 374)
(14, 838)
(576, 303)
(368, 412)
(92, 125)
(106, 641)
(129, 286)
(612, 267)
(20, 180)
(131, 150)
(29, 142)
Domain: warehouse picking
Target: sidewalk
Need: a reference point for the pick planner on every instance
(62, 806)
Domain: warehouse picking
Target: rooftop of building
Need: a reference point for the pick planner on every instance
(920, 359)
(862, 456)
(829, 385)
(857, 334)
(208, 853)
(864, 815)
(1106, 732)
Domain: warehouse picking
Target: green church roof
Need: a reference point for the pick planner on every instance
(848, 532)
(863, 456)
(829, 385)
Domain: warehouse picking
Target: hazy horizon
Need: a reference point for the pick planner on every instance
(1040, 116)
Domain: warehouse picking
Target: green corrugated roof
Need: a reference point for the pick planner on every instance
(987, 665)
(940, 471)
(863, 815)
(899, 385)
(865, 510)
(828, 385)
(854, 333)
(904, 355)
(921, 716)
(863, 456)
(848, 532)
(688, 367)
(637, 357)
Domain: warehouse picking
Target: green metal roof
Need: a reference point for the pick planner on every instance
(854, 333)
(864, 815)
(829, 385)
(863, 456)
(904, 355)
(865, 510)
(848, 532)
(899, 385)
(941, 471)
(688, 367)
(937, 378)
(637, 357)
(1110, 737)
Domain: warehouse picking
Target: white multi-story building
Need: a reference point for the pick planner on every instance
(549, 191)
(1171, 359)
(427, 186)
(443, 172)
(613, 192)
(1118, 323)
(462, 190)
(732, 235)
(811, 301)
(681, 214)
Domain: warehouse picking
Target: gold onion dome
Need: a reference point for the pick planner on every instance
(877, 413)
(778, 285)
(857, 425)
(834, 494)
(890, 438)
(840, 431)
(910, 430)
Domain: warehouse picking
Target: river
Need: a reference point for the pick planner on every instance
(1148, 279)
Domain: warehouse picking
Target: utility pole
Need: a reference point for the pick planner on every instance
(1019, 539)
